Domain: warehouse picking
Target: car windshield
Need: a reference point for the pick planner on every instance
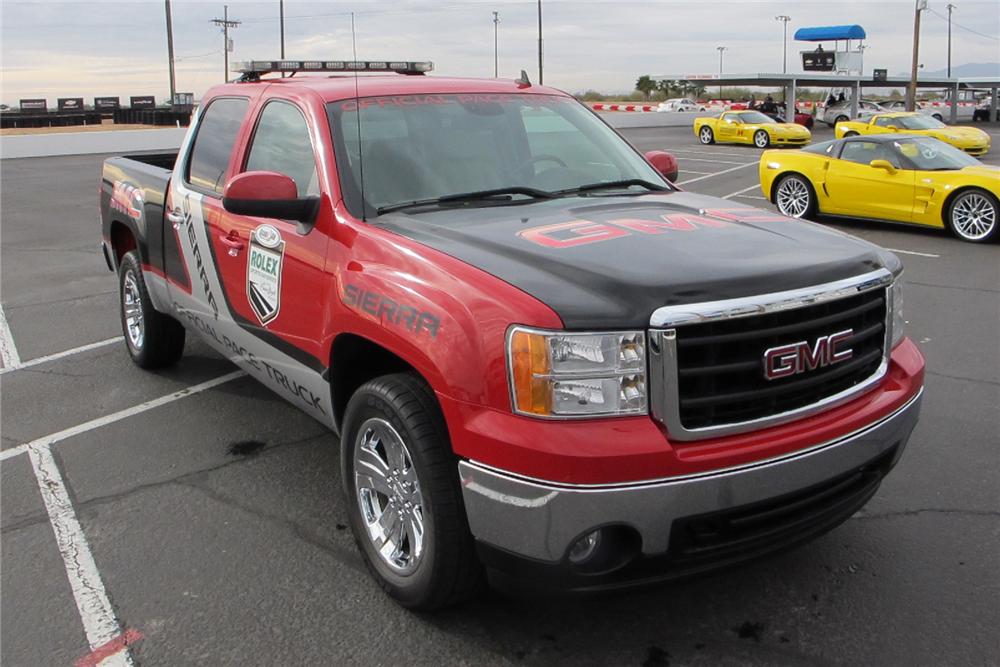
(755, 117)
(419, 148)
(929, 154)
(920, 122)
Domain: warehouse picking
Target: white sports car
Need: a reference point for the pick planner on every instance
(680, 104)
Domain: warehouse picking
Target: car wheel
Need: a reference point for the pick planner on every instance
(841, 119)
(403, 495)
(973, 216)
(153, 339)
(850, 133)
(938, 117)
(761, 139)
(706, 135)
(794, 196)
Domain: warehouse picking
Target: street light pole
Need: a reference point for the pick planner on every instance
(721, 50)
(784, 42)
(951, 8)
(911, 97)
(170, 51)
(496, 45)
(539, 42)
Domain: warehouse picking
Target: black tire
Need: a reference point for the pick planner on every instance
(850, 133)
(990, 216)
(160, 339)
(799, 183)
(761, 139)
(706, 135)
(447, 570)
(841, 119)
(938, 117)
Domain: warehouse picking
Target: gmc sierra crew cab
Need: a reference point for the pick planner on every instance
(545, 363)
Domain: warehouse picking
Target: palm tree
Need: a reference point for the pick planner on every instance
(645, 85)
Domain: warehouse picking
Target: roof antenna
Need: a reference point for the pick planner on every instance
(523, 82)
(357, 110)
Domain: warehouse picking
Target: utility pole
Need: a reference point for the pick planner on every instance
(911, 97)
(496, 45)
(170, 51)
(539, 42)
(281, 24)
(226, 25)
(951, 8)
(721, 50)
(784, 43)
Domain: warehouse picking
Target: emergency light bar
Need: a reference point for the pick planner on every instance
(254, 68)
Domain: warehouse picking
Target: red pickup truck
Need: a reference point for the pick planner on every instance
(545, 362)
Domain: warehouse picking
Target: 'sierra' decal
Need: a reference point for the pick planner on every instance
(390, 312)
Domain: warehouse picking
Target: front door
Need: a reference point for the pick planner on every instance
(856, 188)
(728, 126)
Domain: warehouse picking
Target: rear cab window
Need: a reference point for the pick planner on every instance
(213, 144)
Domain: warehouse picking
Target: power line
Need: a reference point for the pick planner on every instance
(959, 25)
(226, 23)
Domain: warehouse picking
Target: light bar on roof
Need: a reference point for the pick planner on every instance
(258, 67)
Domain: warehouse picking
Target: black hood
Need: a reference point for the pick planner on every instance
(721, 251)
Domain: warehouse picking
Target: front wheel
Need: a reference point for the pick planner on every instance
(850, 133)
(403, 495)
(761, 139)
(841, 119)
(794, 196)
(706, 135)
(973, 216)
(153, 339)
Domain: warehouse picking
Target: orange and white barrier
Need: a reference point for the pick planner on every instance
(601, 106)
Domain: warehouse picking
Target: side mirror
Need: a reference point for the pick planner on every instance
(268, 194)
(883, 164)
(663, 162)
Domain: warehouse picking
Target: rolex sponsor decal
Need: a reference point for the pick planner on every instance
(264, 264)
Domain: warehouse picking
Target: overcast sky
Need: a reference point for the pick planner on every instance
(71, 49)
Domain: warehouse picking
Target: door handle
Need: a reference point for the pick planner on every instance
(233, 242)
(175, 218)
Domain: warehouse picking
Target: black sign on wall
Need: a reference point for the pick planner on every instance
(106, 103)
(142, 102)
(34, 105)
(819, 61)
(880, 75)
(70, 104)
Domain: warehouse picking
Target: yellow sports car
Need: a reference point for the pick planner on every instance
(898, 177)
(749, 127)
(969, 139)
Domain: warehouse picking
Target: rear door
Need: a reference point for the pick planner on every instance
(856, 188)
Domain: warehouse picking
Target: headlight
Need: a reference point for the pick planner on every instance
(565, 375)
(896, 303)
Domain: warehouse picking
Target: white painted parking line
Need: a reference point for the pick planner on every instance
(692, 171)
(60, 355)
(718, 173)
(8, 351)
(914, 252)
(752, 197)
(755, 186)
(118, 416)
(96, 613)
(705, 151)
(700, 159)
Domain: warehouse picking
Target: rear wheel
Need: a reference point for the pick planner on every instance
(706, 135)
(761, 139)
(850, 133)
(406, 509)
(938, 117)
(153, 339)
(794, 196)
(841, 119)
(974, 216)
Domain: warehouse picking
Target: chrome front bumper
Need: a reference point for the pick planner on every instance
(538, 520)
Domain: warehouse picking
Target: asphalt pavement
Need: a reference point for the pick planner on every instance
(217, 531)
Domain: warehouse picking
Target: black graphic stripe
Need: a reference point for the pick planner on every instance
(259, 302)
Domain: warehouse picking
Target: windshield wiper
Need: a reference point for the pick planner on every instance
(609, 185)
(496, 194)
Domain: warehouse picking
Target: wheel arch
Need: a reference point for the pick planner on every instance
(780, 177)
(123, 239)
(946, 204)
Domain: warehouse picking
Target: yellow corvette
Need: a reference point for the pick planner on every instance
(749, 127)
(969, 139)
(898, 177)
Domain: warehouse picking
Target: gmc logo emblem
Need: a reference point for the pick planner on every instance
(800, 357)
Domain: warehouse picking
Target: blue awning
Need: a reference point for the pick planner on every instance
(829, 33)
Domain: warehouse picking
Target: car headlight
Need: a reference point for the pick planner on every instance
(896, 303)
(573, 375)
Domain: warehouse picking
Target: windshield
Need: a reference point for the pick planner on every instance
(929, 154)
(919, 122)
(421, 147)
(755, 117)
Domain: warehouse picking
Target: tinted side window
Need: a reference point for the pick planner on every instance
(214, 142)
(281, 143)
(861, 152)
(882, 121)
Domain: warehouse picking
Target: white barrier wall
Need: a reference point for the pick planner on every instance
(81, 143)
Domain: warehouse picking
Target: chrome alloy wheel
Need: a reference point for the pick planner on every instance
(761, 140)
(793, 197)
(135, 325)
(389, 495)
(973, 216)
(706, 135)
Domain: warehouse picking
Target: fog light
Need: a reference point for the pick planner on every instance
(585, 548)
